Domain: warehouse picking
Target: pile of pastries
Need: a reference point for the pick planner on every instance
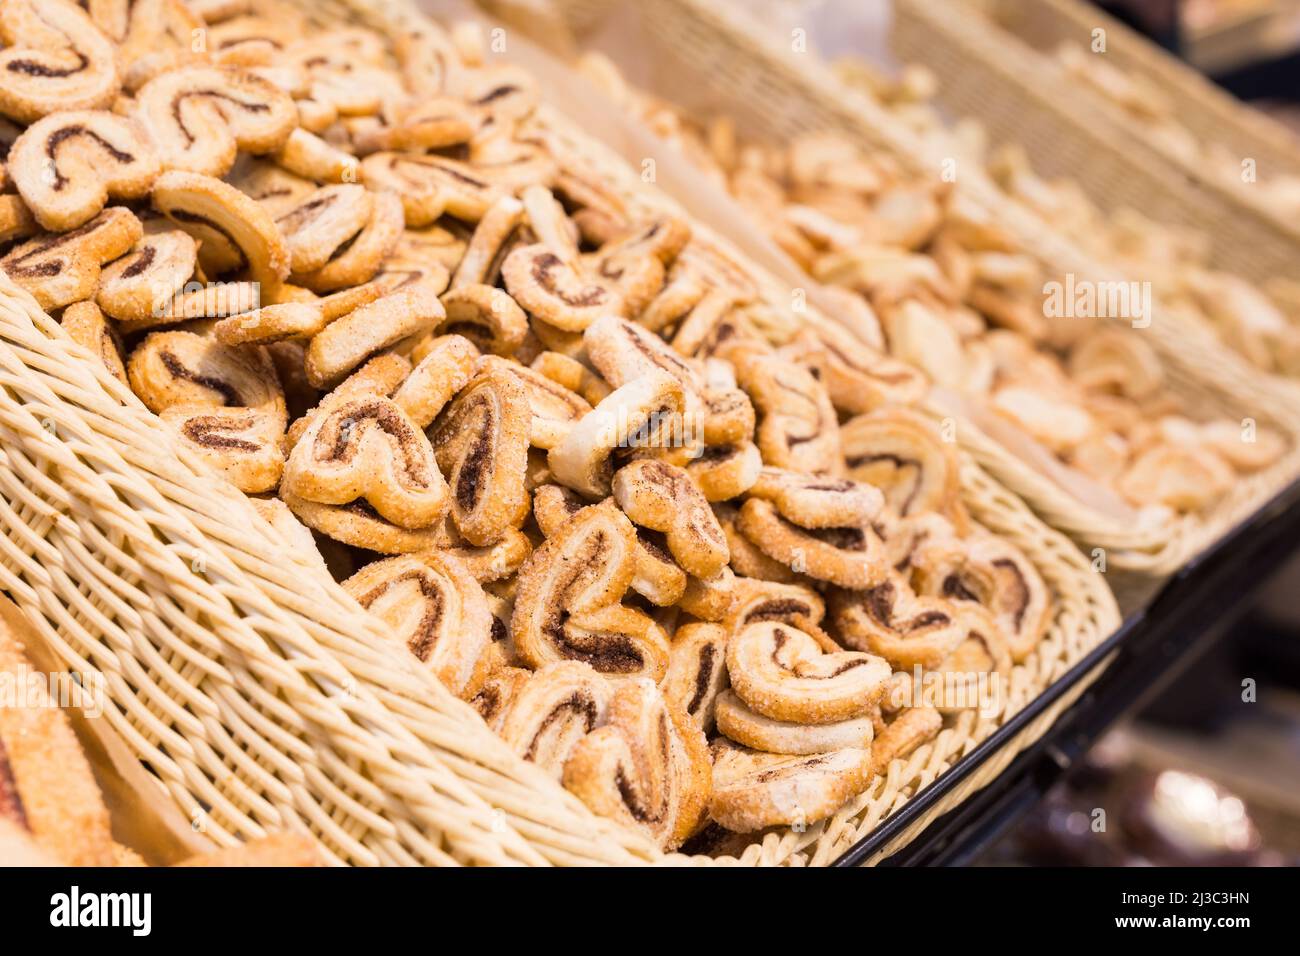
(1261, 323)
(698, 577)
(1147, 104)
(940, 283)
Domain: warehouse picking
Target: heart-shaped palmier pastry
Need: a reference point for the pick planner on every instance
(892, 621)
(753, 790)
(723, 472)
(903, 456)
(444, 369)
(568, 601)
(487, 316)
(430, 186)
(640, 418)
(481, 443)
(243, 444)
(346, 343)
(859, 377)
(741, 724)
(811, 501)
(141, 285)
(68, 165)
(199, 117)
(322, 222)
(697, 670)
(991, 571)
(54, 59)
(555, 291)
(358, 524)
(61, 268)
(307, 155)
(432, 605)
(648, 767)
(183, 368)
(791, 604)
(852, 557)
(554, 408)
(366, 448)
(797, 428)
(663, 498)
(783, 673)
(623, 351)
(975, 673)
(498, 692)
(657, 576)
(358, 258)
(560, 704)
(233, 231)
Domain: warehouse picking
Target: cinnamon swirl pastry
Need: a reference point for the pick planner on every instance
(851, 557)
(744, 726)
(976, 670)
(901, 733)
(818, 502)
(554, 407)
(481, 442)
(233, 231)
(657, 577)
(494, 699)
(360, 525)
(59, 269)
(723, 472)
(798, 428)
(648, 767)
(142, 284)
(366, 448)
(553, 711)
(429, 186)
(754, 790)
(623, 351)
(697, 671)
(445, 368)
(901, 454)
(641, 417)
(663, 498)
(487, 316)
(431, 604)
(68, 165)
(991, 571)
(242, 444)
(890, 620)
(783, 673)
(347, 342)
(199, 117)
(54, 59)
(555, 291)
(183, 368)
(568, 602)
(799, 607)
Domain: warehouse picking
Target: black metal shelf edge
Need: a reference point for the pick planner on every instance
(1189, 610)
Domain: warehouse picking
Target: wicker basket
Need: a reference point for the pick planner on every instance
(998, 67)
(711, 59)
(260, 697)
